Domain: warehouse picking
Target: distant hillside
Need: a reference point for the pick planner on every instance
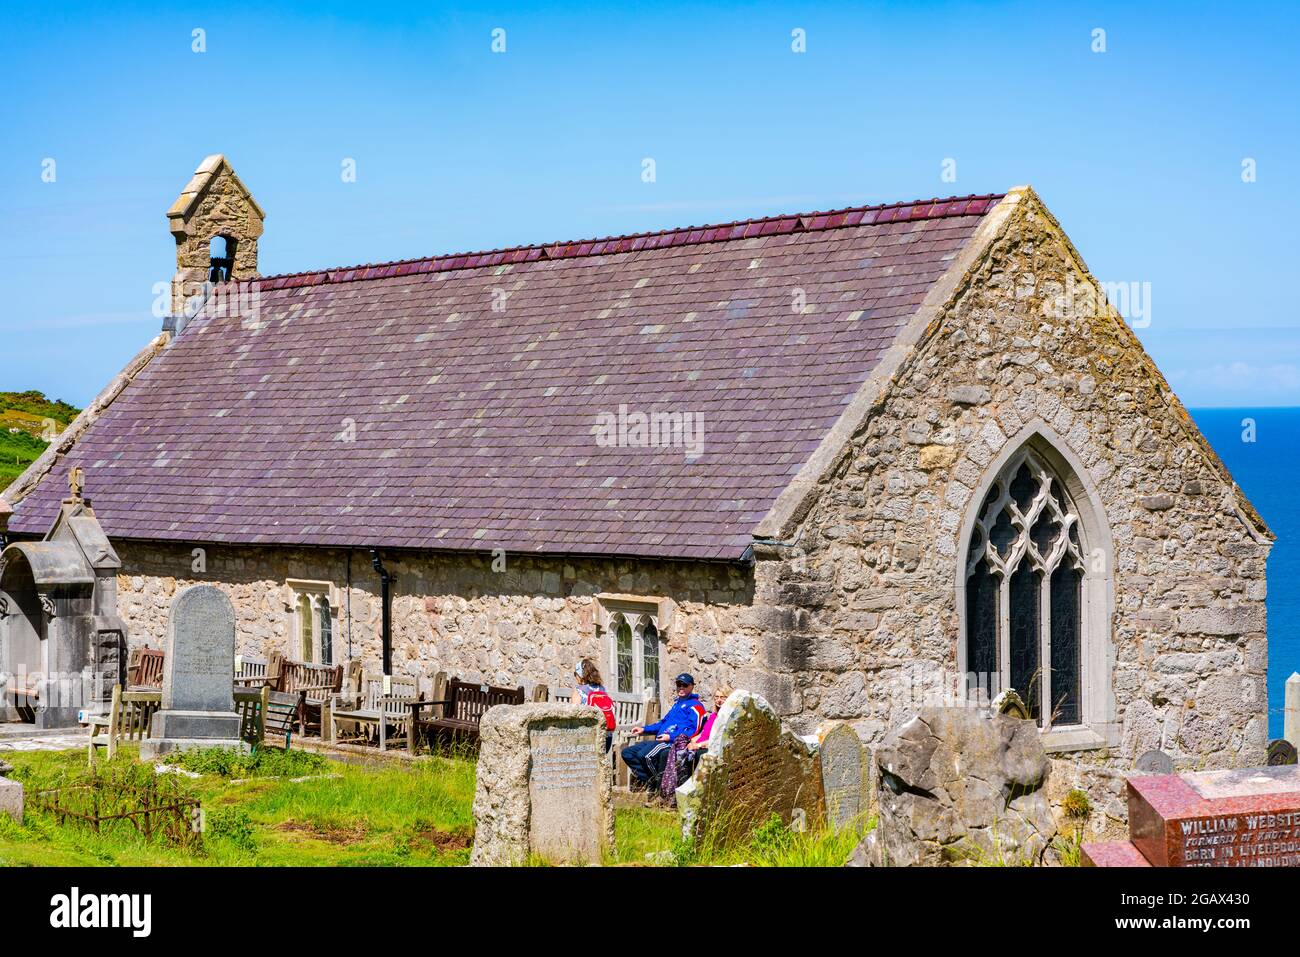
(27, 419)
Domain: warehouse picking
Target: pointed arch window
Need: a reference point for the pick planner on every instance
(633, 646)
(1024, 592)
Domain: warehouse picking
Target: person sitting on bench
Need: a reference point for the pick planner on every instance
(646, 759)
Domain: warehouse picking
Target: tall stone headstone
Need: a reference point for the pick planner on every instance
(198, 705)
(844, 775)
(11, 798)
(753, 768)
(543, 786)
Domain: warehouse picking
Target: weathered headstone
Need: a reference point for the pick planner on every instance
(11, 799)
(752, 769)
(1154, 762)
(1009, 702)
(960, 785)
(1245, 817)
(1281, 752)
(844, 775)
(198, 705)
(543, 786)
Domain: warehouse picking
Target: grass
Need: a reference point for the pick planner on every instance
(416, 814)
(17, 451)
(23, 420)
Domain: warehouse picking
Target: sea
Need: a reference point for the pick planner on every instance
(1261, 447)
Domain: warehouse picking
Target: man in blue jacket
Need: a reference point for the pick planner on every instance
(646, 759)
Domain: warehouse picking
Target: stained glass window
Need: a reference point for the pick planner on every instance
(326, 630)
(650, 657)
(623, 652)
(1024, 592)
(304, 628)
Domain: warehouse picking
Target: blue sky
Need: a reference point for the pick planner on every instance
(1138, 150)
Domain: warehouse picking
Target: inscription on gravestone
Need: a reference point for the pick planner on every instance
(753, 768)
(843, 768)
(563, 790)
(199, 665)
(1154, 762)
(198, 706)
(1248, 817)
(543, 786)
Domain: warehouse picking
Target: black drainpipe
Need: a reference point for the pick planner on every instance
(386, 634)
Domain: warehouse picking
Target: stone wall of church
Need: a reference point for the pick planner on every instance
(863, 604)
(526, 624)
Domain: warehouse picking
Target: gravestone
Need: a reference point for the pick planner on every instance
(960, 786)
(543, 786)
(198, 705)
(1245, 817)
(1281, 752)
(11, 799)
(753, 768)
(1154, 762)
(844, 776)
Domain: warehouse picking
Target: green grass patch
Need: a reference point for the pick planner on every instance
(17, 451)
(411, 814)
(232, 763)
(416, 814)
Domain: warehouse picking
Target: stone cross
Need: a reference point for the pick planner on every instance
(198, 706)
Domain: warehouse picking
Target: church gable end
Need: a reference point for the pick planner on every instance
(1173, 647)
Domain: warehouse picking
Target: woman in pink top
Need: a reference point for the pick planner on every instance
(701, 740)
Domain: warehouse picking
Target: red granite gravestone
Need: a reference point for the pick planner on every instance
(1240, 818)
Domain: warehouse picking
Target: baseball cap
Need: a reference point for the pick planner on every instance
(684, 679)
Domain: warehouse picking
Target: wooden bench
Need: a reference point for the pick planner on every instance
(462, 709)
(130, 718)
(384, 701)
(144, 669)
(254, 673)
(279, 715)
(250, 671)
(130, 715)
(314, 684)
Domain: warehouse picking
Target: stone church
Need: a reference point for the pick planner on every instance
(856, 461)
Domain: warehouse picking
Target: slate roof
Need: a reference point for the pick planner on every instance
(475, 428)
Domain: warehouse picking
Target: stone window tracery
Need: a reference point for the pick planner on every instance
(1024, 574)
(312, 606)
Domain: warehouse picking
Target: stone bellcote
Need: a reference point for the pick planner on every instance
(216, 223)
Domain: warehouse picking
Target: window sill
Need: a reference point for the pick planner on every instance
(1079, 738)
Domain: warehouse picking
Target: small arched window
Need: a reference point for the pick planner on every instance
(1024, 592)
(305, 643)
(623, 653)
(325, 628)
(636, 651)
(649, 656)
